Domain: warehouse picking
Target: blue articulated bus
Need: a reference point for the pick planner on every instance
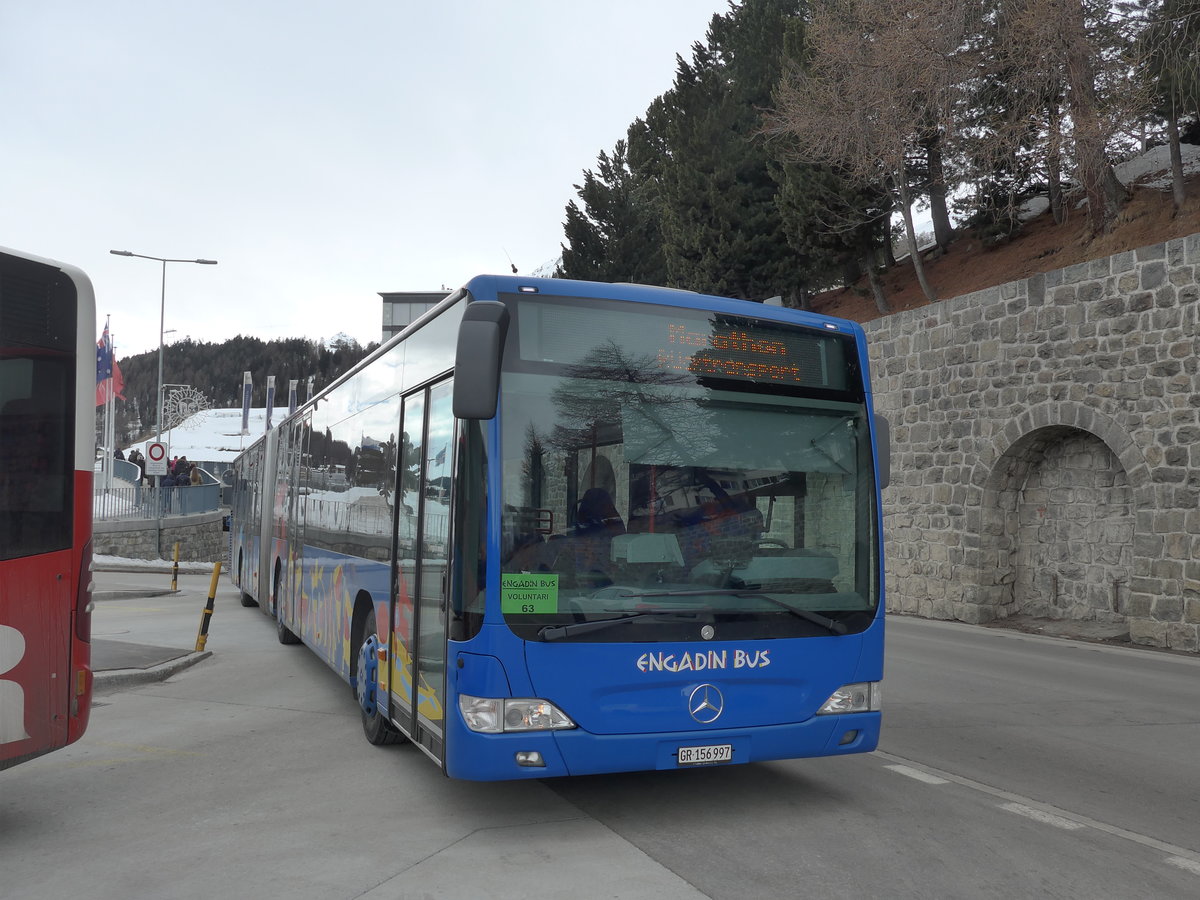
(563, 528)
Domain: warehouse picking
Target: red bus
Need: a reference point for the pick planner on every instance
(47, 453)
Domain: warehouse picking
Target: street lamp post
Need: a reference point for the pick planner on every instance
(162, 312)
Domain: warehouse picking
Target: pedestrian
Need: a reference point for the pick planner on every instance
(135, 457)
(194, 476)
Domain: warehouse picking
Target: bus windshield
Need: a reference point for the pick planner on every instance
(651, 484)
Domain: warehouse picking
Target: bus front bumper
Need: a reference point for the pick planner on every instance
(495, 757)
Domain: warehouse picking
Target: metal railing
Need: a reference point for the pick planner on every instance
(143, 502)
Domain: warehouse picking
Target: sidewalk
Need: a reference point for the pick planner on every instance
(120, 663)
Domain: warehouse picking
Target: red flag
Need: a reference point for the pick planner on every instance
(118, 380)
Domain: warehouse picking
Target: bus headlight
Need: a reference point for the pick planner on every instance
(493, 715)
(865, 696)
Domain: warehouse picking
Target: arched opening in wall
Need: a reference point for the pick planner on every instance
(1068, 520)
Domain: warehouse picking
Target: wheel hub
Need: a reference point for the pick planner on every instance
(368, 675)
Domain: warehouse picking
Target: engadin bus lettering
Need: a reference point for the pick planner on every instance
(702, 660)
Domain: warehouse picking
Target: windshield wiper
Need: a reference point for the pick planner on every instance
(707, 592)
(557, 632)
(825, 622)
(809, 616)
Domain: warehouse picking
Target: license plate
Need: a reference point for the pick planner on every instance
(701, 756)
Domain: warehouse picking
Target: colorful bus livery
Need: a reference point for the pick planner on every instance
(47, 433)
(585, 528)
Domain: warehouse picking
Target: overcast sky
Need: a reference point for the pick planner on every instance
(320, 151)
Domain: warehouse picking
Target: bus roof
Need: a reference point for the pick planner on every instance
(489, 286)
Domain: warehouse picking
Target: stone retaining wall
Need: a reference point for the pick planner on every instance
(1046, 447)
(201, 538)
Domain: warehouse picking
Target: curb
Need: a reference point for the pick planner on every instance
(116, 678)
(167, 569)
(131, 595)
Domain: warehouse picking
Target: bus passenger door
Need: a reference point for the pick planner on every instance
(299, 478)
(423, 542)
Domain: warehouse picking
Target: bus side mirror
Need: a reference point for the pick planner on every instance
(477, 361)
(883, 450)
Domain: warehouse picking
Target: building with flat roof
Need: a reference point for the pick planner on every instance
(402, 308)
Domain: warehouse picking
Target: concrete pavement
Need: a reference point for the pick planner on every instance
(120, 662)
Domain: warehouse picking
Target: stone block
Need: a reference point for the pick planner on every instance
(1191, 610)
(1167, 609)
(1122, 262)
(1191, 245)
(1175, 253)
(1183, 637)
(1153, 274)
(1150, 634)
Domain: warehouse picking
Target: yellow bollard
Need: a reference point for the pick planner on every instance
(175, 569)
(202, 637)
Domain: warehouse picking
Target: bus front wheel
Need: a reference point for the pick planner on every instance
(378, 730)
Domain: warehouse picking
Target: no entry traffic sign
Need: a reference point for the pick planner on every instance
(156, 458)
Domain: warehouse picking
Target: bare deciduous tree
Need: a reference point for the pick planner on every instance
(1169, 63)
(1068, 77)
(877, 89)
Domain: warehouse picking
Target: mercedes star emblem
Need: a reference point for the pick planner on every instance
(706, 704)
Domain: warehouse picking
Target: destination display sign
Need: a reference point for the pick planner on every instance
(640, 341)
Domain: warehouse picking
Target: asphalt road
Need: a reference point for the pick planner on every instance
(1012, 766)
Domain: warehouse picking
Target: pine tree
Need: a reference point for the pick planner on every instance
(723, 228)
(613, 236)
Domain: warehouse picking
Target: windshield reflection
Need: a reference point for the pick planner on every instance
(641, 495)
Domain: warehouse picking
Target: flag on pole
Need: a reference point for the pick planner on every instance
(292, 395)
(270, 399)
(247, 386)
(109, 382)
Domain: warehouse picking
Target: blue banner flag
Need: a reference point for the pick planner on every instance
(247, 386)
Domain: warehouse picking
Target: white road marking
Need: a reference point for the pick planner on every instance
(917, 774)
(1181, 857)
(1188, 865)
(1039, 816)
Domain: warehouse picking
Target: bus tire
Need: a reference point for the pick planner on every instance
(247, 600)
(285, 634)
(376, 727)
